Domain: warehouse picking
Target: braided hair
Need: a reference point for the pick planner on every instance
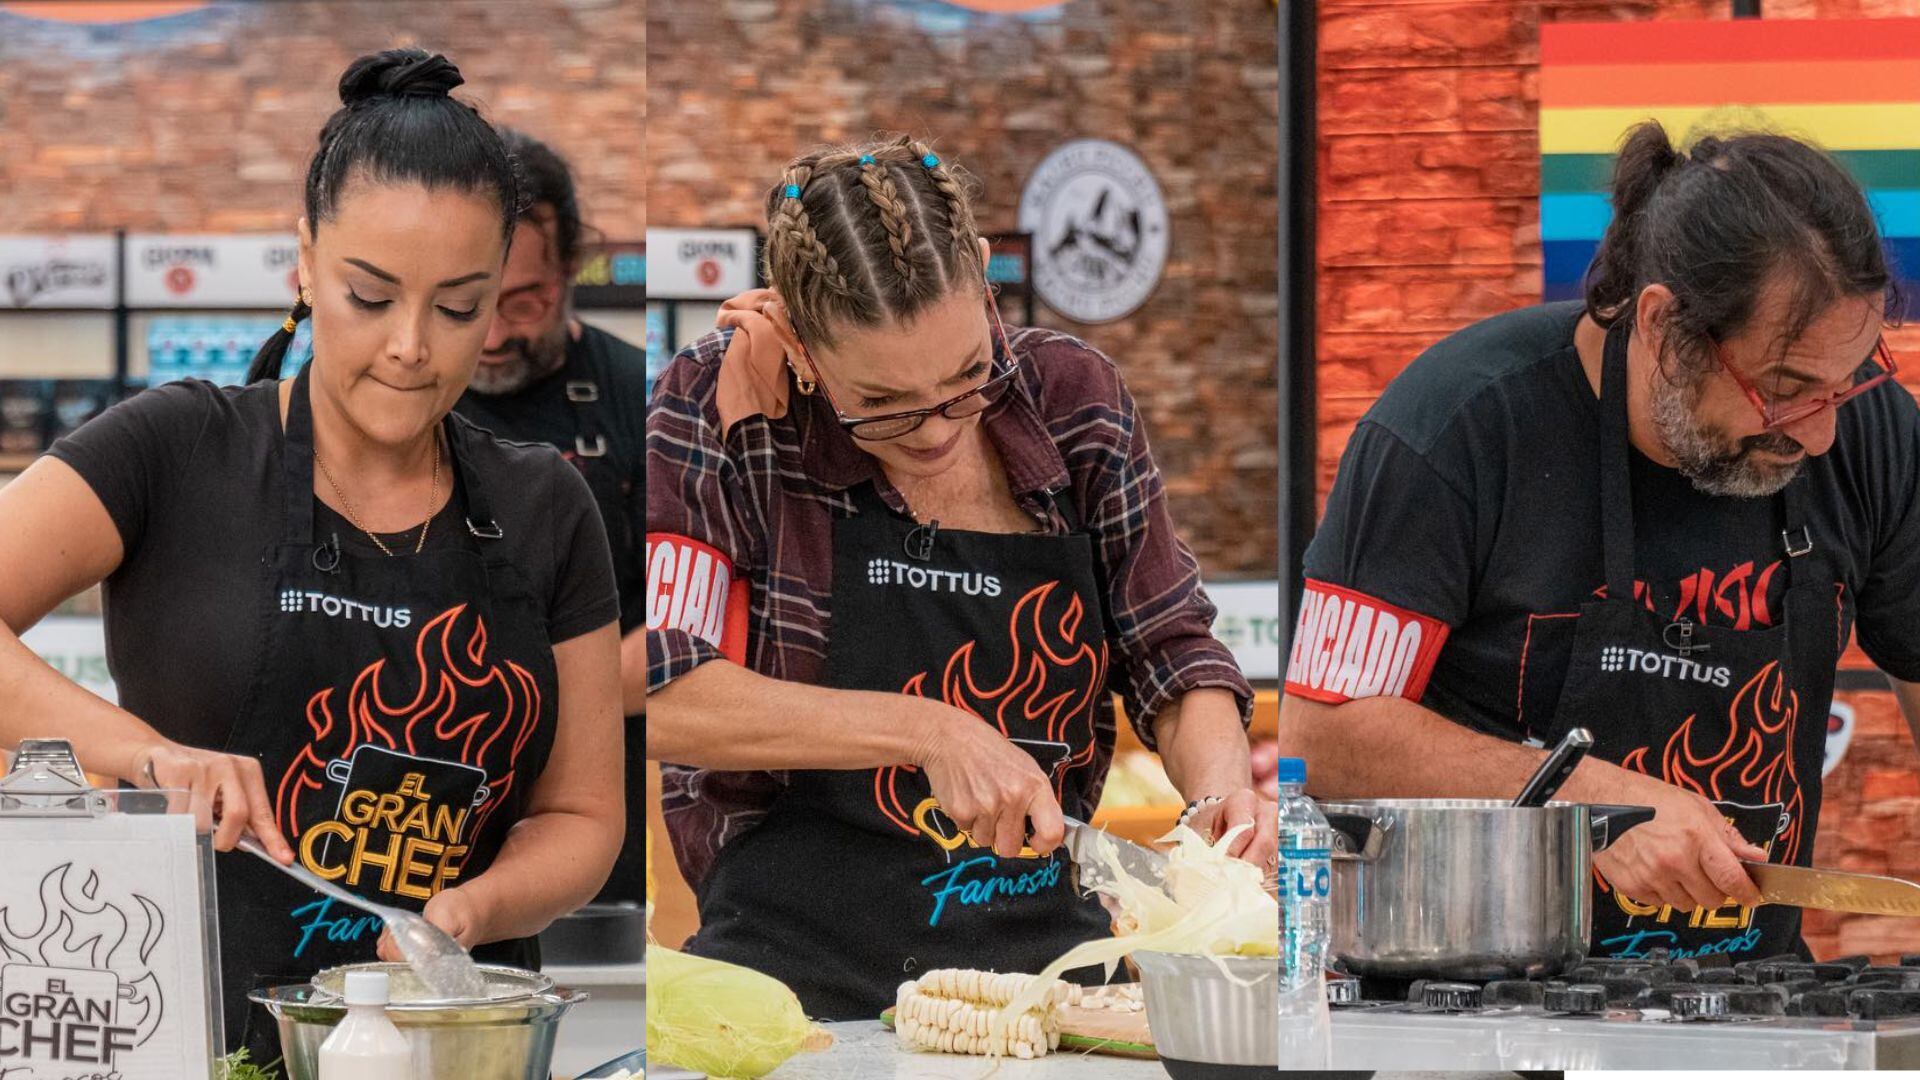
(865, 235)
(398, 123)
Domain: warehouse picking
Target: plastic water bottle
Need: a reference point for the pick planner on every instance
(366, 1045)
(1306, 909)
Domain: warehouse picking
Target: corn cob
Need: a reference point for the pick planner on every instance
(951, 1010)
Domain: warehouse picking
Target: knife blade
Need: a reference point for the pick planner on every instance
(1834, 890)
(1082, 842)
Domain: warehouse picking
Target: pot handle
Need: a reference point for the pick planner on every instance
(1356, 836)
(1610, 821)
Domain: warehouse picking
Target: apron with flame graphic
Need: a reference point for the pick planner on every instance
(1737, 716)
(856, 881)
(401, 711)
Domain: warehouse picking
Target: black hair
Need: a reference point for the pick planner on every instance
(1716, 225)
(546, 181)
(398, 123)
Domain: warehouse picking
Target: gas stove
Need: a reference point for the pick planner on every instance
(1654, 1013)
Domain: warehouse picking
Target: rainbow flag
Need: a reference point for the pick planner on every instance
(1850, 86)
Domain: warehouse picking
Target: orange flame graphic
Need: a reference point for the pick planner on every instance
(1050, 681)
(1753, 764)
(454, 705)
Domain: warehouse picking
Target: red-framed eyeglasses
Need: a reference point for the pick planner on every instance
(1776, 414)
(971, 403)
(528, 303)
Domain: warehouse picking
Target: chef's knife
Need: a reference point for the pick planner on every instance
(1143, 863)
(1834, 890)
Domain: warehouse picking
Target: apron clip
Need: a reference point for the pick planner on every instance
(326, 557)
(581, 392)
(1683, 630)
(1797, 545)
(919, 543)
(485, 530)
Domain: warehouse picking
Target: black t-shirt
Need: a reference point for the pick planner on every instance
(1468, 500)
(190, 474)
(546, 413)
(543, 413)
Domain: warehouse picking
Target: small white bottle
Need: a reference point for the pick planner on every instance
(366, 1045)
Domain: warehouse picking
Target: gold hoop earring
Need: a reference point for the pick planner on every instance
(805, 384)
(306, 298)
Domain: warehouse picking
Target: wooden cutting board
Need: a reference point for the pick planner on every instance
(1096, 1031)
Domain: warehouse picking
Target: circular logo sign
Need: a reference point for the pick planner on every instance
(1099, 226)
(1839, 735)
(180, 280)
(707, 272)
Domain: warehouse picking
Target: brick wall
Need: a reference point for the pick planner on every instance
(205, 121)
(1429, 219)
(739, 87)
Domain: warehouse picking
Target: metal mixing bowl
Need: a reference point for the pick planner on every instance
(507, 1035)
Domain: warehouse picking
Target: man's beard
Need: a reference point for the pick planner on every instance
(528, 360)
(1715, 463)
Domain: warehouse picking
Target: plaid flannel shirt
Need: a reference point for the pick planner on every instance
(766, 496)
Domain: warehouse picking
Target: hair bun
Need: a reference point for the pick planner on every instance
(398, 73)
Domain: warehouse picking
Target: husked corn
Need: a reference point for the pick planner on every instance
(951, 1010)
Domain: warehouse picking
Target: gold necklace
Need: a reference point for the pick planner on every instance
(433, 500)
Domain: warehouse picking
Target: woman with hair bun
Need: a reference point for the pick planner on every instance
(371, 634)
(1656, 514)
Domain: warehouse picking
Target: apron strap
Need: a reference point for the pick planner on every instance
(590, 438)
(296, 463)
(1796, 532)
(480, 520)
(1616, 497)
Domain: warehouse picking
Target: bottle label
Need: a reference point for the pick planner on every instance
(1309, 873)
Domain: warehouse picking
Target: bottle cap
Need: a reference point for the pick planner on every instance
(367, 988)
(1293, 770)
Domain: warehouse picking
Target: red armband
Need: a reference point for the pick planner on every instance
(691, 587)
(1349, 645)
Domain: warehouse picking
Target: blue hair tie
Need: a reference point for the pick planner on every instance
(866, 159)
(793, 191)
(929, 161)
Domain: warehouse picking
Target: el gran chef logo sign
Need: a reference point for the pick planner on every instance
(1100, 230)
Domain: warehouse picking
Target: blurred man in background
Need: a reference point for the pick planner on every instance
(547, 377)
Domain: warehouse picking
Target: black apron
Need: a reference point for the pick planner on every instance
(1736, 716)
(585, 440)
(855, 881)
(401, 710)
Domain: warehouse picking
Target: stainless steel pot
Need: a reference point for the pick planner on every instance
(1471, 889)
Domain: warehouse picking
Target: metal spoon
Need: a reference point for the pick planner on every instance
(441, 963)
(1553, 772)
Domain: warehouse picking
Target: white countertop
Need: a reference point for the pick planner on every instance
(868, 1051)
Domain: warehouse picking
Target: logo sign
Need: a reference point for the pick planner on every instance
(58, 272)
(701, 264)
(102, 950)
(1100, 230)
(248, 271)
(882, 573)
(1247, 621)
(1839, 735)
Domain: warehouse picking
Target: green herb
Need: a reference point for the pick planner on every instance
(237, 1067)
